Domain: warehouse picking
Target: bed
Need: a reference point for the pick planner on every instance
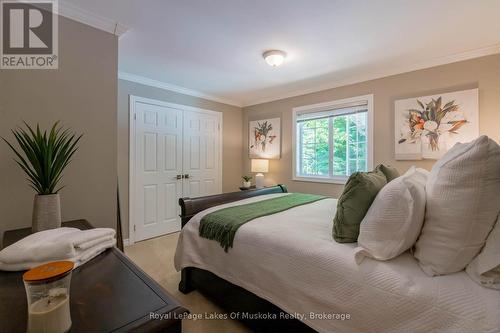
(285, 272)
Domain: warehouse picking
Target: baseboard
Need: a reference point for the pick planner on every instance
(126, 242)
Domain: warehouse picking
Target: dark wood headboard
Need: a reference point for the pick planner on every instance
(190, 207)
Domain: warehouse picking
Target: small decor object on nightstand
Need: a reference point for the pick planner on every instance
(259, 166)
(47, 289)
(247, 181)
(43, 157)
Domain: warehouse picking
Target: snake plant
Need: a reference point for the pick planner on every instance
(44, 156)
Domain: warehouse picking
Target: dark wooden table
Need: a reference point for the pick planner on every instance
(108, 294)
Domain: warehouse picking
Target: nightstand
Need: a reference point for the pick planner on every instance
(247, 188)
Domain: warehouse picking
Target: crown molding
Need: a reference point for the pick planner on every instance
(378, 74)
(171, 87)
(100, 22)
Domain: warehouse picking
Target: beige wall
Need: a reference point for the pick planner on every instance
(232, 140)
(82, 94)
(482, 73)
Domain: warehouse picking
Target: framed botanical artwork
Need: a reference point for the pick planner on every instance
(427, 127)
(265, 138)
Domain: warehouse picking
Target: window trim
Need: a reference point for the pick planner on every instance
(336, 104)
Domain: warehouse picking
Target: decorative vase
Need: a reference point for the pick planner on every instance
(247, 184)
(46, 212)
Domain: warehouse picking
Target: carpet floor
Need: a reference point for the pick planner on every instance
(156, 257)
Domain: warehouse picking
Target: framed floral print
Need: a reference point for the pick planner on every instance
(426, 127)
(265, 138)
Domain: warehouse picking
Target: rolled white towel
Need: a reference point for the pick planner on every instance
(82, 237)
(91, 243)
(72, 244)
(92, 252)
(41, 246)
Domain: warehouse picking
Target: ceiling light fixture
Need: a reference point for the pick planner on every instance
(274, 58)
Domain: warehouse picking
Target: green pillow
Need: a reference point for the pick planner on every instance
(359, 192)
(389, 172)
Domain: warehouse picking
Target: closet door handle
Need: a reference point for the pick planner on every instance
(178, 177)
(186, 176)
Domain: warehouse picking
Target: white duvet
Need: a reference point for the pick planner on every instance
(291, 260)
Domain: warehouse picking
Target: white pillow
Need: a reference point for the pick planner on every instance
(392, 224)
(463, 202)
(485, 268)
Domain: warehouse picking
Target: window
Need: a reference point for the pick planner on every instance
(333, 140)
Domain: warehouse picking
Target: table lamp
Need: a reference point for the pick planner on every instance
(259, 166)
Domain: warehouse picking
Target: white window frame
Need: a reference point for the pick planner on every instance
(337, 104)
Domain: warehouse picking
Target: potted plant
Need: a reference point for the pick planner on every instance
(43, 157)
(246, 181)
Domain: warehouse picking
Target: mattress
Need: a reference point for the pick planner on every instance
(291, 260)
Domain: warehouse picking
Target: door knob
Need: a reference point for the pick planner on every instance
(178, 177)
(186, 176)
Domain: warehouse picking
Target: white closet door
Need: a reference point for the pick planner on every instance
(201, 154)
(158, 166)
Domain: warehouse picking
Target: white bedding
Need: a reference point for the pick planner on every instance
(291, 260)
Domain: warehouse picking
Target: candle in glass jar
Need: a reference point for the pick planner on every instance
(50, 314)
(47, 288)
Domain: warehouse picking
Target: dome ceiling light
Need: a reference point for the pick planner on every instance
(274, 58)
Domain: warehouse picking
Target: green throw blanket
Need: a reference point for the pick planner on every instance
(222, 224)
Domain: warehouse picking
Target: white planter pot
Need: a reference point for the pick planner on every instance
(247, 184)
(46, 212)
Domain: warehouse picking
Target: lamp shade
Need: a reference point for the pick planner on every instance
(259, 165)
